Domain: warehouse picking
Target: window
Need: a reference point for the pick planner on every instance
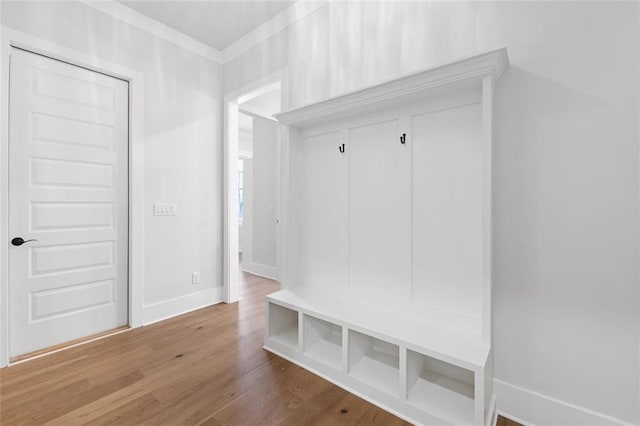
(240, 190)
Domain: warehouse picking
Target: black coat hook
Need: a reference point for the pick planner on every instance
(403, 138)
(341, 149)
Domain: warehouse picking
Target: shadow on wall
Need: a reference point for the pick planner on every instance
(563, 239)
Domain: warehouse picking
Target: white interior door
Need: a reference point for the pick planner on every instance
(379, 213)
(68, 191)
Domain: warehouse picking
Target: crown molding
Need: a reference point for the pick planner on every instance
(281, 21)
(158, 29)
(492, 64)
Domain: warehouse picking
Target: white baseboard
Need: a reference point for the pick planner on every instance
(533, 408)
(170, 308)
(261, 270)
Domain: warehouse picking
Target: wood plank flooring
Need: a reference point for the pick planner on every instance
(205, 367)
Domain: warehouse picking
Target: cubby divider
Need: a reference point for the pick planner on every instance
(406, 378)
(440, 387)
(375, 362)
(323, 341)
(283, 325)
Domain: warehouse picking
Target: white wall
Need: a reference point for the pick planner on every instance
(265, 165)
(566, 317)
(183, 145)
(245, 135)
(566, 162)
(259, 231)
(245, 235)
(245, 151)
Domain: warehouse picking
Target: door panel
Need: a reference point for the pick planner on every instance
(322, 224)
(68, 189)
(61, 216)
(65, 131)
(447, 208)
(379, 221)
(48, 303)
(49, 172)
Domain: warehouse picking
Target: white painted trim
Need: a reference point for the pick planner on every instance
(491, 415)
(230, 157)
(297, 11)
(533, 408)
(84, 342)
(9, 38)
(491, 63)
(181, 305)
(294, 13)
(269, 86)
(256, 112)
(230, 230)
(157, 28)
(638, 235)
(261, 270)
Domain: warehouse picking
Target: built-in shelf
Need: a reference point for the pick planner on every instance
(375, 362)
(429, 388)
(387, 283)
(323, 341)
(283, 325)
(439, 387)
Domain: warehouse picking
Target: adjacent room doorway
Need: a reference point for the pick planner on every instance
(263, 221)
(258, 164)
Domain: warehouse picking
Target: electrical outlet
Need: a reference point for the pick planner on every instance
(195, 277)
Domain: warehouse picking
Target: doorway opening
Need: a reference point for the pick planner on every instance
(253, 231)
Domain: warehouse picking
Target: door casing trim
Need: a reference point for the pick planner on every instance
(9, 39)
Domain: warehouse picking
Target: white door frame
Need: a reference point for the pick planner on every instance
(231, 243)
(11, 38)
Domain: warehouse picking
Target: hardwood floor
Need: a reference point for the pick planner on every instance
(502, 421)
(204, 367)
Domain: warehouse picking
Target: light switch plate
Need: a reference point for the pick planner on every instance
(195, 277)
(164, 209)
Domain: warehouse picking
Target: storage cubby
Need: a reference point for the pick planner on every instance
(439, 387)
(374, 362)
(323, 341)
(283, 325)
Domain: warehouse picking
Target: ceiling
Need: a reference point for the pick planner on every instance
(216, 23)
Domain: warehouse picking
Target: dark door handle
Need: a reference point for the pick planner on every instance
(19, 241)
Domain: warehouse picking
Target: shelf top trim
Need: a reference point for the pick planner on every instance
(435, 339)
(492, 63)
